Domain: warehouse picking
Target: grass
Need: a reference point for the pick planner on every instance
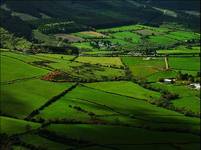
(51, 40)
(122, 28)
(191, 103)
(117, 102)
(125, 88)
(162, 74)
(88, 72)
(39, 141)
(179, 51)
(149, 67)
(126, 36)
(162, 40)
(64, 109)
(83, 45)
(12, 126)
(20, 99)
(56, 56)
(69, 37)
(89, 34)
(183, 35)
(28, 58)
(120, 135)
(106, 61)
(185, 63)
(12, 69)
(189, 98)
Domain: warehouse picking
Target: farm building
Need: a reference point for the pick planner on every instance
(169, 81)
(195, 86)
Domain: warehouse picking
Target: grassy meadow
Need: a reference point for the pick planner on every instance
(111, 95)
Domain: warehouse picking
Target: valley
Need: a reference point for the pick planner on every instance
(106, 80)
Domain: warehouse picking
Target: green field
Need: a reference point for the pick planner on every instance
(27, 96)
(111, 94)
(148, 65)
(12, 126)
(105, 61)
(13, 69)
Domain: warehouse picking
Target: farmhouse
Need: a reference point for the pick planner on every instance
(169, 81)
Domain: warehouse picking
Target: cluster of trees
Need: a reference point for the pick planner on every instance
(15, 25)
(10, 41)
(78, 108)
(62, 49)
(166, 100)
(61, 27)
(187, 77)
(104, 44)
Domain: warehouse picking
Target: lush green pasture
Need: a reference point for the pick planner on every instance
(120, 42)
(188, 98)
(179, 51)
(122, 28)
(119, 103)
(162, 74)
(56, 56)
(81, 103)
(89, 34)
(126, 36)
(83, 45)
(185, 63)
(114, 135)
(89, 72)
(106, 61)
(12, 69)
(162, 40)
(125, 88)
(65, 108)
(183, 35)
(28, 58)
(191, 103)
(147, 32)
(15, 126)
(148, 65)
(21, 98)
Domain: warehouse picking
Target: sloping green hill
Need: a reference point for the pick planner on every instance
(96, 13)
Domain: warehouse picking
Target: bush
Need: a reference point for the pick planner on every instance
(169, 96)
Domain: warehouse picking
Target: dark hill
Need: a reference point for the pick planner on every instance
(95, 13)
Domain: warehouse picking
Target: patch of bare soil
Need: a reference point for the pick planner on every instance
(57, 76)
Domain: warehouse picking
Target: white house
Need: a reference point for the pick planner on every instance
(195, 86)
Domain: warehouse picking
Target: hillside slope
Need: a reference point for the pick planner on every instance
(98, 13)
